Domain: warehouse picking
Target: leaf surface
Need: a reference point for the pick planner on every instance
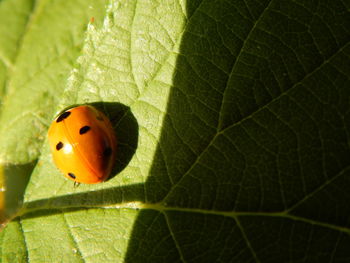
(232, 121)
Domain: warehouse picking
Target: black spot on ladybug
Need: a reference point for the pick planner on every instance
(107, 152)
(63, 116)
(84, 129)
(71, 175)
(59, 146)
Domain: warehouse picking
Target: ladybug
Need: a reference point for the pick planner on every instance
(83, 144)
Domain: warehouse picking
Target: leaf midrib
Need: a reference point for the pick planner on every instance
(235, 215)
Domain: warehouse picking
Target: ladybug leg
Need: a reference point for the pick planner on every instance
(76, 184)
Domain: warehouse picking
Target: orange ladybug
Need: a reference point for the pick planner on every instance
(83, 144)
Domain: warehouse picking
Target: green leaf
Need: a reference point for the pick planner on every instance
(233, 127)
(45, 39)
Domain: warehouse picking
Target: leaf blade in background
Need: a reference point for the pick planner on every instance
(12, 28)
(39, 72)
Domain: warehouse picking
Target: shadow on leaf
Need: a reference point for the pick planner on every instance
(126, 129)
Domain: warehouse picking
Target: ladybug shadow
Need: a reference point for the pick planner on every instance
(126, 129)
